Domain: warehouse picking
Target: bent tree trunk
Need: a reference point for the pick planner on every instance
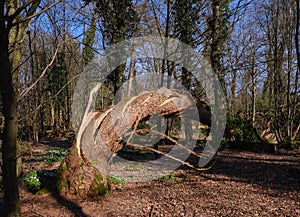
(84, 171)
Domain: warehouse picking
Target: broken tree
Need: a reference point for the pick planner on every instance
(84, 171)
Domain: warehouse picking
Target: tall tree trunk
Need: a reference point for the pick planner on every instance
(233, 92)
(10, 59)
(166, 35)
(219, 34)
(89, 38)
(253, 104)
(131, 74)
(297, 44)
(9, 111)
(216, 43)
(253, 88)
(289, 120)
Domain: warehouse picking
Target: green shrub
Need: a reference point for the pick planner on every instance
(293, 145)
(31, 179)
(44, 180)
(56, 155)
(239, 129)
(168, 177)
(120, 184)
(115, 180)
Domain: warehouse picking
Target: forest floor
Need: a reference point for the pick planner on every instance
(240, 183)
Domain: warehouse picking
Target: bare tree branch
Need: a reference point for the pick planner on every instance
(24, 92)
(169, 156)
(36, 14)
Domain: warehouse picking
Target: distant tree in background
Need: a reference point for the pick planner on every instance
(186, 16)
(119, 21)
(218, 24)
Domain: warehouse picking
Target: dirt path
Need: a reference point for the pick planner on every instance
(240, 184)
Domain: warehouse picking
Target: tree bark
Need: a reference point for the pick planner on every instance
(12, 27)
(9, 145)
(77, 176)
(9, 136)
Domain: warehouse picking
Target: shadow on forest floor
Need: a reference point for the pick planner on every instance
(69, 204)
(275, 170)
(278, 171)
(56, 142)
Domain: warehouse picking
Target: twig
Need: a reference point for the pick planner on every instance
(168, 155)
(36, 14)
(151, 210)
(176, 143)
(134, 129)
(169, 138)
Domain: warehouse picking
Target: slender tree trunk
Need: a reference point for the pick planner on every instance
(253, 89)
(216, 43)
(89, 38)
(289, 121)
(297, 35)
(233, 94)
(297, 44)
(36, 127)
(52, 112)
(131, 74)
(219, 34)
